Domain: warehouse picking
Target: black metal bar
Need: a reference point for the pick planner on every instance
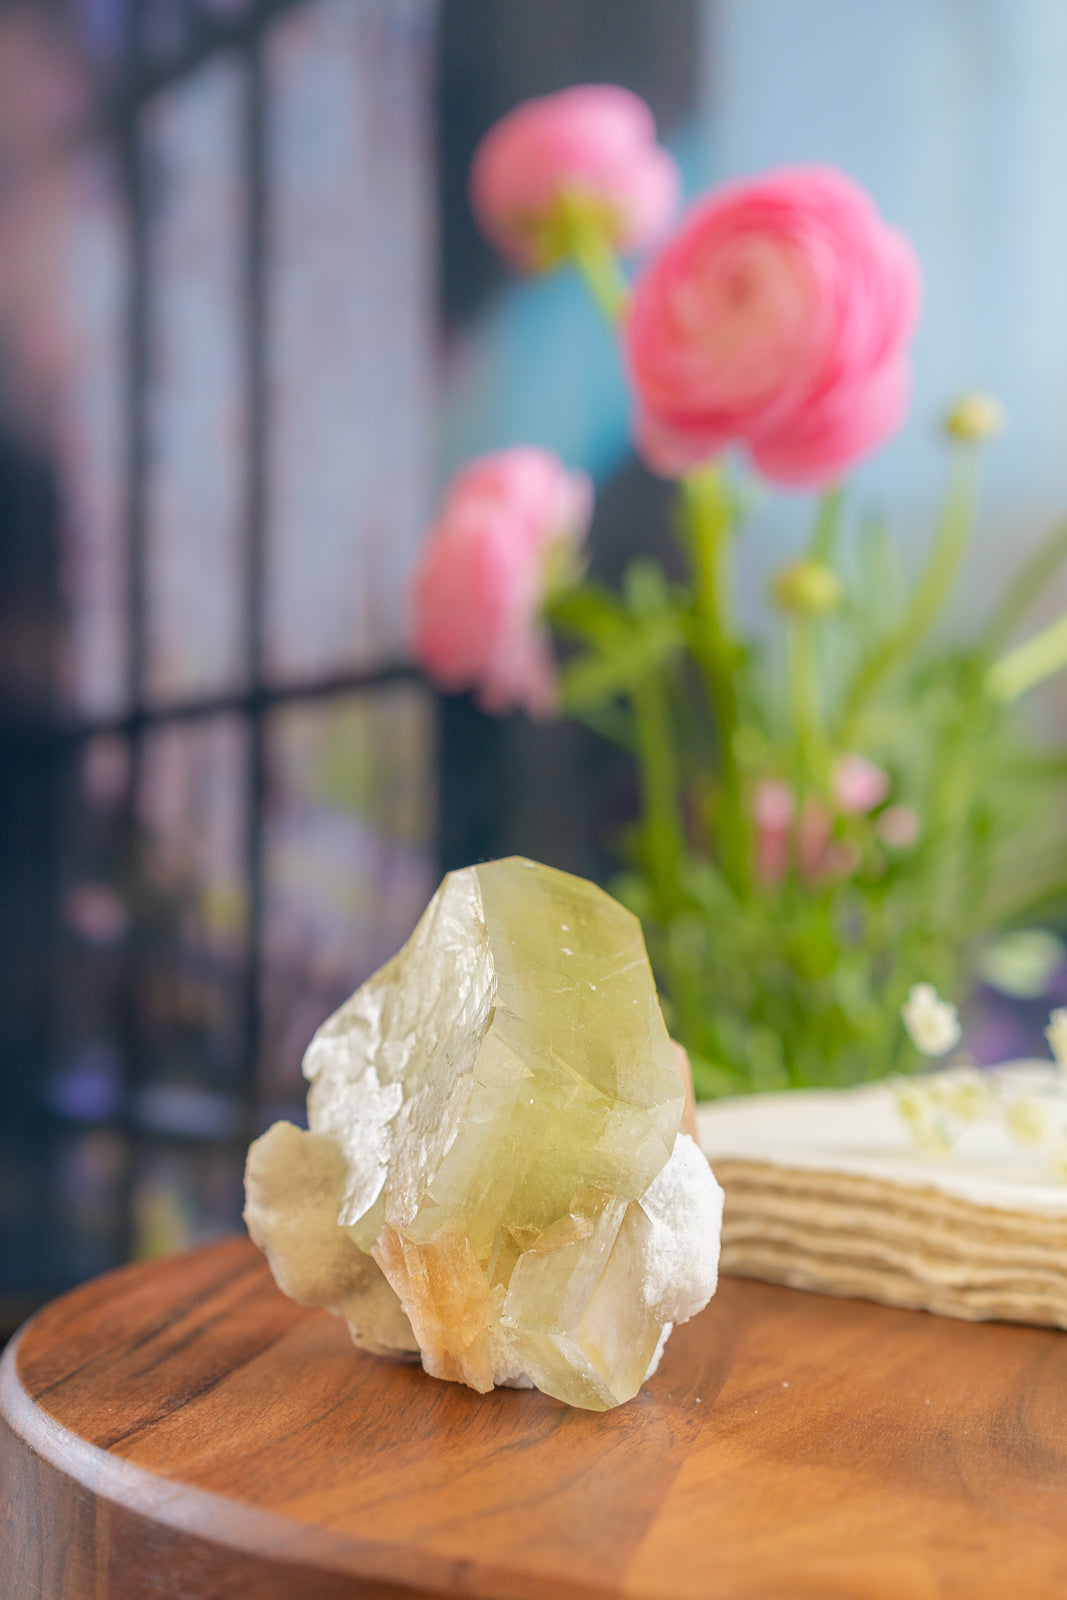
(121, 121)
(138, 357)
(141, 80)
(252, 701)
(255, 340)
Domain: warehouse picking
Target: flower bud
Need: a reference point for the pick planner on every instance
(975, 418)
(509, 525)
(592, 146)
(807, 588)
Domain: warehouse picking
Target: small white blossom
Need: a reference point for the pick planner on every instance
(932, 1023)
(1028, 1120)
(1056, 1034)
(965, 1093)
(923, 1117)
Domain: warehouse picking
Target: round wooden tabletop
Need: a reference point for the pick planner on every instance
(180, 1429)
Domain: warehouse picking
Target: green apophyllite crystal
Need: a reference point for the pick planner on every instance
(496, 1118)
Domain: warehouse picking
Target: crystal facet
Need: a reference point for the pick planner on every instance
(494, 1174)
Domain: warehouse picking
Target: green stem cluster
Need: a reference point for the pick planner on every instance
(929, 596)
(1030, 663)
(664, 840)
(812, 749)
(786, 973)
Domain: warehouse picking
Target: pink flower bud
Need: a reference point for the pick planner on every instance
(482, 576)
(814, 841)
(898, 827)
(773, 810)
(781, 835)
(859, 785)
(776, 318)
(594, 146)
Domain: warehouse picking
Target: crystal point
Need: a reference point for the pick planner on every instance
(498, 1176)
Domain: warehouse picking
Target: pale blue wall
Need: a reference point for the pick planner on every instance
(954, 114)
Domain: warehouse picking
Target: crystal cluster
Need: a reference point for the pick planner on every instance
(494, 1175)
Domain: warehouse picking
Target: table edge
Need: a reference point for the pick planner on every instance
(244, 1530)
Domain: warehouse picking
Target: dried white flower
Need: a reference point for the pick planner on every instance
(963, 1092)
(933, 1024)
(1056, 1034)
(1028, 1120)
(923, 1117)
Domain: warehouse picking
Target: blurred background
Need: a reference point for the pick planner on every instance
(247, 328)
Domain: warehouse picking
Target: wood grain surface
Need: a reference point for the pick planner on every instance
(180, 1429)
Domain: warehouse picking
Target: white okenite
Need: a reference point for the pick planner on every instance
(933, 1024)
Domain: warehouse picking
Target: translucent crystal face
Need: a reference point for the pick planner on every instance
(503, 1094)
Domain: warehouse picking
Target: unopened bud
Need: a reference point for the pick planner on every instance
(975, 418)
(807, 588)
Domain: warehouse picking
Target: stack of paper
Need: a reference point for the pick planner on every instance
(828, 1190)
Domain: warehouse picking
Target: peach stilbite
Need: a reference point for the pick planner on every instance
(495, 1174)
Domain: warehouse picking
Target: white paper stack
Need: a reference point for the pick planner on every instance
(827, 1190)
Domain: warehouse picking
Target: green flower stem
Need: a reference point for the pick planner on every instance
(664, 838)
(813, 758)
(813, 750)
(709, 528)
(1029, 663)
(929, 595)
(824, 539)
(590, 248)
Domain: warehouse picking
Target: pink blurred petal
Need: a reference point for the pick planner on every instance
(773, 811)
(898, 827)
(479, 586)
(597, 141)
(859, 785)
(776, 317)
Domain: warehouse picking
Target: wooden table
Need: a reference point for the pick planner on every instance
(180, 1429)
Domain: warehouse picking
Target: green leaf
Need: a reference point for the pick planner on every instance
(588, 611)
(590, 679)
(1028, 586)
(645, 587)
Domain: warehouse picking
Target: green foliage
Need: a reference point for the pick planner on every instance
(790, 974)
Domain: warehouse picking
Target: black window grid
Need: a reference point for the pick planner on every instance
(138, 81)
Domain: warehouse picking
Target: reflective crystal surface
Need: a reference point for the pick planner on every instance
(495, 1118)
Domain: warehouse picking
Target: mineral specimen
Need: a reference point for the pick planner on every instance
(494, 1175)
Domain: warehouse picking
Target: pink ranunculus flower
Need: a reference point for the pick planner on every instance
(507, 522)
(859, 785)
(594, 145)
(777, 318)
